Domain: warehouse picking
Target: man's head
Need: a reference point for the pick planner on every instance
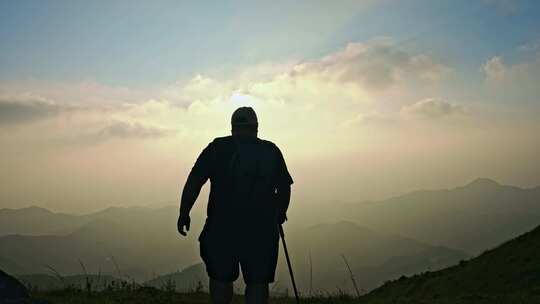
(244, 122)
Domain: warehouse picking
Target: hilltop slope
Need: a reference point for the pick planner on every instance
(512, 269)
(185, 281)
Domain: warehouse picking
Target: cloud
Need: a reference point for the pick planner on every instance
(89, 93)
(374, 65)
(122, 129)
(432, 108)
(117, 129)
(198, 88)
(371, 118)
(494, 69)
(531, 46)
(84, 123)
(26, 109)
(294, 99)
(518, 81)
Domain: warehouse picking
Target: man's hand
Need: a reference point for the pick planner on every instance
(183, 221)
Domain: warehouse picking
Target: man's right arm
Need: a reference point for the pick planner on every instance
(197, 178)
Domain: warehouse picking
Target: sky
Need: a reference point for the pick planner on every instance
(109, 102)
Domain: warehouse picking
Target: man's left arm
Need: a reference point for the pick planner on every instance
(283, 189)
(283, 197)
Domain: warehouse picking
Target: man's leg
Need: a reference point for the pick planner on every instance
(221, 292)
(257, 293)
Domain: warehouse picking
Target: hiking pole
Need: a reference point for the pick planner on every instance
(289, 263)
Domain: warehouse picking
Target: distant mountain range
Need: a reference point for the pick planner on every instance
(471, 218)
(373, 256)
(424, 230)
(115, 240)
(39, 221)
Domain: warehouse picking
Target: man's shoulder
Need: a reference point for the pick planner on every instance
(270, 146)
(222, 139)
(216, 144)
(267, 143)
(229, 140)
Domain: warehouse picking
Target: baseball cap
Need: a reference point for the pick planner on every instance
(244, 116)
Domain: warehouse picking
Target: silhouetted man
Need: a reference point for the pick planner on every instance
(249, 196)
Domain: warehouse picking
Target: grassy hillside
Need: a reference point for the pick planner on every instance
(148, 295)
(189, 279)
(45, 282)
(511, 272)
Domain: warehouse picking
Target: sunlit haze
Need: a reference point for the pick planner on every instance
(109, 103)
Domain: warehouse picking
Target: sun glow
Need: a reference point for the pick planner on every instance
(239, 99)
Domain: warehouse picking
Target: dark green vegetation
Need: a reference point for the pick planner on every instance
(135, 296)
(52, 282)
(156, 296)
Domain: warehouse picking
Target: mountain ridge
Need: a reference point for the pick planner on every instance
(480, 181)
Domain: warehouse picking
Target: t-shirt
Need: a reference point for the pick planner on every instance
(244, 173)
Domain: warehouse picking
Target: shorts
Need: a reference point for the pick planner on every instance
(254, 252)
